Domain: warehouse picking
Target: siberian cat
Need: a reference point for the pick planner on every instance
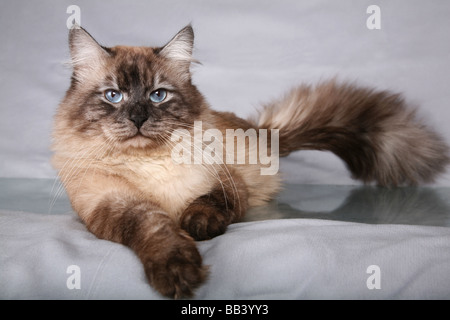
(114, 151)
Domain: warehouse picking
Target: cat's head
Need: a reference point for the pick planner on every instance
(134, 97)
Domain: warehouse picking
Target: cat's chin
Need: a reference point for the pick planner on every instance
(138, 142)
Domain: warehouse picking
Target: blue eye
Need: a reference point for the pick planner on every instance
(158, 95)
(113, 96)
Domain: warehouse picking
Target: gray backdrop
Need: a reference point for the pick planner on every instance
(251, 52)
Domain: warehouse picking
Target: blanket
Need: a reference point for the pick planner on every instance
(46, 256)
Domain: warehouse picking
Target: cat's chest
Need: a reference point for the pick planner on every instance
(169, 184)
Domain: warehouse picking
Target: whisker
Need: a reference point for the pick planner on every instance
(72, 165)
(212, 170)
(62, 174)
(108, 145)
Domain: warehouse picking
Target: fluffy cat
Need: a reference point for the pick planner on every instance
(113, 151)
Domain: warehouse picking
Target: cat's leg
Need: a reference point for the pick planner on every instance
(209, 215)
(113, 211)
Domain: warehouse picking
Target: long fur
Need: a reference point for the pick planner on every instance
(379, 137)
(124, 185)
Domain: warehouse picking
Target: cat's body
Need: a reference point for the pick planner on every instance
(114, 154)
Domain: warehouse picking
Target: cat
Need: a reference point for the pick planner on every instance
(112, 149)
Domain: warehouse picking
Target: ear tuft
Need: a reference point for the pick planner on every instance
(84, 50)
(181, 46)
(87, 56)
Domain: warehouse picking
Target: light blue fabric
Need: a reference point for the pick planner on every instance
(305, 244)
(275, 259)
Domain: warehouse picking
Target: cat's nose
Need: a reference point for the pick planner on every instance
(138, 120)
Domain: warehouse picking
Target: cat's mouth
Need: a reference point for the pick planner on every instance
(138, 140)
(143, 139)
(142, 135)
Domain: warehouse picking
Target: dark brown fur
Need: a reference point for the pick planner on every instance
(209, 215)
(169, 255)
(379, 138)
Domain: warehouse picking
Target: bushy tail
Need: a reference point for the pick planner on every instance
(374, 132)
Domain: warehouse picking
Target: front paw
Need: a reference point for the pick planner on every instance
(204, 221)
(177, 271)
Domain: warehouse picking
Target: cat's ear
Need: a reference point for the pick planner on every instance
(86, 54)
(180, 48)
